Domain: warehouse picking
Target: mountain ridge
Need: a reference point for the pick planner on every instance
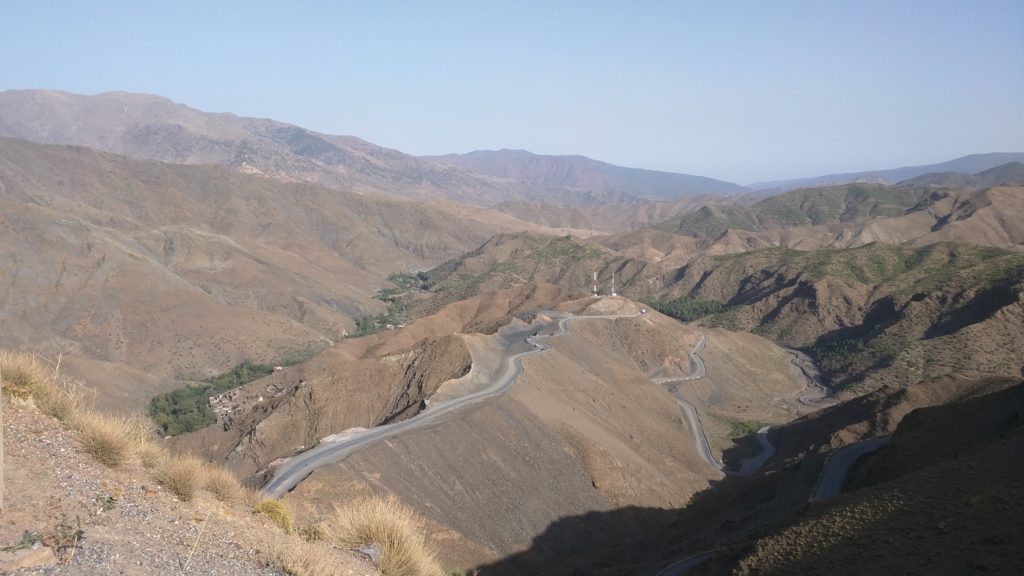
(970, 164)
(576, 171)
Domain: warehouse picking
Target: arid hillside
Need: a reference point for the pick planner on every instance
(584, 430)
(92, 495)
(600, 217)
(150, 272)
(856, 214)
(874, 315)
(943, 496)
(870, 315)
(896, 512)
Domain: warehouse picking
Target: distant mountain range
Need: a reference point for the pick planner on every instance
(154, 128)
(1010, 173)
(971, 164)
(585, 173)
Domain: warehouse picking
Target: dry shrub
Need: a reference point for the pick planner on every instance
(111, 440)
(395, 530)
(223, 485)
(28, 379)
(313, 532)
(296, 557)
(182, 475)
(23, 374)
(151, 455)
(277, 512)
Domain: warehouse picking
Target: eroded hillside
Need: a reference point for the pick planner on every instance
(150, 273)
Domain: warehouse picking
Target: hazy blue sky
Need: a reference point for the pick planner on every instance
(735, 90)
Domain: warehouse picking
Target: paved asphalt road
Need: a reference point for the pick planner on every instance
(837, 469)
(294, 470)
(749, 465)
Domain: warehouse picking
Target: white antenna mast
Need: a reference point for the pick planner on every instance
(595, 284)
(613, 284)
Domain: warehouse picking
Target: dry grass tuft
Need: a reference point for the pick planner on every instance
(313, 532)
(23, 374)
(151, 455)
(277, 512)
(394, 528)
(182, 475)
(223, 485)
(296, 557)
(28, 379)
(111, 440)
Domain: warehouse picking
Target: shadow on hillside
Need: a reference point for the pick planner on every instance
(569, 545)
(641, 541)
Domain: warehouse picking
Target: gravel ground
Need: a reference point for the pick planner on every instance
(104, 522)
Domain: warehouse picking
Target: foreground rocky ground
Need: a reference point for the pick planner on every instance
(72, 515)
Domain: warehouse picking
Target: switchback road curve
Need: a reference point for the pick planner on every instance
(291, 472)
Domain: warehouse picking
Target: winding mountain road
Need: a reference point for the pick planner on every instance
(837, 468)
(291, 472)
(749, 465)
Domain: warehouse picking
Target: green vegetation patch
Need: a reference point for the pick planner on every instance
(687, 309)
(743, 428)
(188, 409)
(397, 299)
(563, 247)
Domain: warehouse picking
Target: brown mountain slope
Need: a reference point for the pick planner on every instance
(182, 271)
(766, 523)
(605, 217)
(944, 496)
(857, 214)
(584, 430)
(875, 314)
(292, 410)
(870, 315)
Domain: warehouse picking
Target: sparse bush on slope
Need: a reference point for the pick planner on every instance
(28, 379)
(277, 512)
(393, 528)
(111, 440)
(297, 557)
(183, 475)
